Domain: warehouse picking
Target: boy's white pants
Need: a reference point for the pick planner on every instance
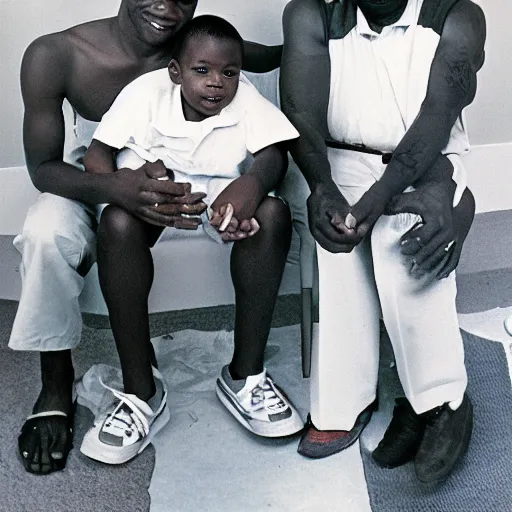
(374, 279)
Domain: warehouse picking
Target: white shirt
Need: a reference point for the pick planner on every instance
(147, 117)
(379, 81)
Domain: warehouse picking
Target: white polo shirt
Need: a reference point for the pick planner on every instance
(379, 81)
(147, 117)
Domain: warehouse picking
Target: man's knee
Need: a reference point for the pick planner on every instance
(390, 228)
(51, 226)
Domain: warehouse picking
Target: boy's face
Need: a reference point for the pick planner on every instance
(208, 71)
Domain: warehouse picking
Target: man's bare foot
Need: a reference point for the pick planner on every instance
(46, 437)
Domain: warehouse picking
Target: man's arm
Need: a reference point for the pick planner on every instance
(45, 66)
(259, 58)
(305, 78)
(43, 84)
(451, 87)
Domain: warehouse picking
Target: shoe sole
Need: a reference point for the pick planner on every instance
(119, 455)
(260, 428)
(312, 455)
(462, 452)
(395, 464)
(316, 453)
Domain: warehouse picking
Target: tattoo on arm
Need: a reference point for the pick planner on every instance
(459, 72)
(409, 160)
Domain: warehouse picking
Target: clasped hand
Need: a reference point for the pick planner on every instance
(434, 245)
(336, 226)
(156, 201)
(232, 212)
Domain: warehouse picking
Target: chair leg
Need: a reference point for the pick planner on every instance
(306, 330)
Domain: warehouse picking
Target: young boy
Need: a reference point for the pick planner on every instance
(206, 127)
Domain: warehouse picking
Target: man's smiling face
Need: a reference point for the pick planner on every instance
(156, 22)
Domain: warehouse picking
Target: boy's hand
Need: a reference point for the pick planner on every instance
(229, 227)
(243, 194)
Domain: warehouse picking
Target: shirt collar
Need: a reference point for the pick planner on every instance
(406, 20)
(170, 120)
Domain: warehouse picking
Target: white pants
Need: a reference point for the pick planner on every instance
(58, 247)
(354, 290)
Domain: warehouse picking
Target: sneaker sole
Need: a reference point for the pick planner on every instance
(282, 428)
(119, 455)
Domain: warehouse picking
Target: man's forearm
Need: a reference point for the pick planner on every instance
(310, 154)
(441, 171)
(417, 153)
(66, 180)
(259, 58)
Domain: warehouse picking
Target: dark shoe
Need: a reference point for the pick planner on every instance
(445, 441)
(317, 444)
(402, 438)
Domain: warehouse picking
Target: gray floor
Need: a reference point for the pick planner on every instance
(485, 282)
(87, 486)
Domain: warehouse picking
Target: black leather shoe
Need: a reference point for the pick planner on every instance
(445, 441)
(402, 438)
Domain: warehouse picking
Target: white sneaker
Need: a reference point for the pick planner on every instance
(127, 427)
(260, 406)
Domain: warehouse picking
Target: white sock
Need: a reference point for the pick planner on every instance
(155, 401)
(251, 381)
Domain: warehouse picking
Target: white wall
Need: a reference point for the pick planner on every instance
(21, 23)
(489, 118)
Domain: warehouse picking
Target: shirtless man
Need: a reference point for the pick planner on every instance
(87, 65)
(400, 74)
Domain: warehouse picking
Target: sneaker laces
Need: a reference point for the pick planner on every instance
(126, 410)
(264, 395)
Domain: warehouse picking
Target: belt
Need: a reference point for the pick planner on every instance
(386, 157)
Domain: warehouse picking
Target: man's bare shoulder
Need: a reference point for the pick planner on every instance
(304, 23)
(467, 20)
(59, 46)
(465, 27)
(306, 10)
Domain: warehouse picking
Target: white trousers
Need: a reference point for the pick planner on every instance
(355, 289)
(58, 247)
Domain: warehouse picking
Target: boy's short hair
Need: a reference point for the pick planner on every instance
(206, 25)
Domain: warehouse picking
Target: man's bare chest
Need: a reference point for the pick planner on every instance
(97, 78)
